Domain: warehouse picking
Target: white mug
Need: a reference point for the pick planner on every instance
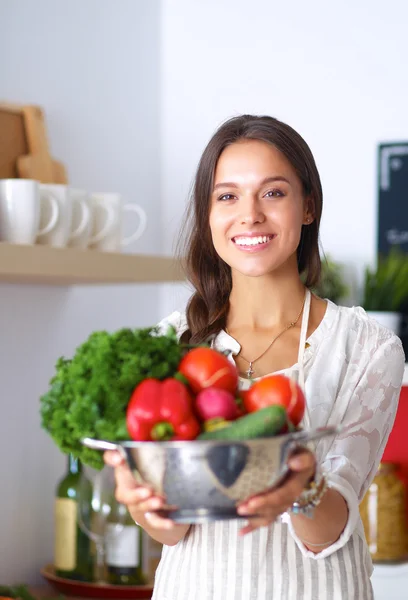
(82, 222)
(21, 207)
(62, 233)
(108, 211)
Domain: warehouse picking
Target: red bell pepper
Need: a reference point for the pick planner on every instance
(161, 411)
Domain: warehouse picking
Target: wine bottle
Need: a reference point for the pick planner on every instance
(124, 548)
(72, 548)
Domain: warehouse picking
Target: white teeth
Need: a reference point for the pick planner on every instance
(252, 241)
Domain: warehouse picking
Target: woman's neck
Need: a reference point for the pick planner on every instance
(264, 302)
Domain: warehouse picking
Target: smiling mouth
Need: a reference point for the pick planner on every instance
(252, 240)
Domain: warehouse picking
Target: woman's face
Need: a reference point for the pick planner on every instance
(257, 208)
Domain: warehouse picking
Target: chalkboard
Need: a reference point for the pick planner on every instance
(393, 197)
(393, 208)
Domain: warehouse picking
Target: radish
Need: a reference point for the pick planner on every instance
(213, 403)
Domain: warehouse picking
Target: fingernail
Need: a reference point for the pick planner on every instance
(296, 463)
(155, 503)
(144, 494)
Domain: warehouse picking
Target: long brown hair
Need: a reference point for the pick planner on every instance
(210, 276)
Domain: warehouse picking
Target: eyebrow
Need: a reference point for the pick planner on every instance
(263, 182)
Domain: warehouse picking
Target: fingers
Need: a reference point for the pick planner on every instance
(128, 491)
(266, 507)
(158, 522)
(137, 497)
(140, 499)
(260, 520)
(304, 461)
(254, 524)
(113, 458)
(247, 529)
(127, 488)
(275, 501)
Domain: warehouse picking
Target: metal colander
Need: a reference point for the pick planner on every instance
(205, 480)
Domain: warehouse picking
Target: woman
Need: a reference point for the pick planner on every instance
(253, 231)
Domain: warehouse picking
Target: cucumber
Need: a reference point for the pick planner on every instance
(265, 422)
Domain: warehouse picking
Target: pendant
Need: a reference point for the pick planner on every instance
(250, 371)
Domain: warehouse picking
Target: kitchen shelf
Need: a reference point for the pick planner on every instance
(69, 266)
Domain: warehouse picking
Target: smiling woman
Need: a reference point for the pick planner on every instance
(251, 232)
(256, 176)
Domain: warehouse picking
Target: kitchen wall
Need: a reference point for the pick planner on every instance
(335, 73)
(94, 67)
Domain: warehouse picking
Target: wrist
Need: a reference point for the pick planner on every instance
(311, 496)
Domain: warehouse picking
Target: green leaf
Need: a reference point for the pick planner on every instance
(89, 393)
(386, 287)
(331, 285)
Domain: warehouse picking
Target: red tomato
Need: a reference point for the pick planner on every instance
(276, 389)
(204, 368)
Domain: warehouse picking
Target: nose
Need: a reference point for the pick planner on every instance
(251, 212)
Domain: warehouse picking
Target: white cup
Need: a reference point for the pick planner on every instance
(62, 233)
(108, 211)
(21, 207)
(81, 225)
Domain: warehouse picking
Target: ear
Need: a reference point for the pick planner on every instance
(308, 215)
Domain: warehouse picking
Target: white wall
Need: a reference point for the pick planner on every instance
(336, 73)
(94, 68)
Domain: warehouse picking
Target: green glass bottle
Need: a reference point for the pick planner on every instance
(72, 548)
(124, 548)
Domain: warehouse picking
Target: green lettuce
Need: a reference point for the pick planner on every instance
(89, 393)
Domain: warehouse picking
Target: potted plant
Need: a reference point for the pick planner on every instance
(386, 289)
(331, 285)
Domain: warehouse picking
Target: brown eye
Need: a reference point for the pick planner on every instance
(274, 194)
(226, 197)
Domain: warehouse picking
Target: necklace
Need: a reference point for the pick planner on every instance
(250, 372)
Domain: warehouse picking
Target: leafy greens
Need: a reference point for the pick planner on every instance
(89, 393)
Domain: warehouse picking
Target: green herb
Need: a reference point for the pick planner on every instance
(89, 393)
(386, 287)
(332, 281)
(16, 591)
(21, 592)
(332, 285)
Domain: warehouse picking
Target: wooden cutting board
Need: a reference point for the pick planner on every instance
(13, 142)
(38, 163)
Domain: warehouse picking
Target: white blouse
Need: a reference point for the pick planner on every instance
(353, 369)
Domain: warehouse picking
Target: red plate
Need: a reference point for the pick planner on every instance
(69, 587)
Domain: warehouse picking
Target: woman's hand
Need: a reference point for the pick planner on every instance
(270, 505)
(139, 499)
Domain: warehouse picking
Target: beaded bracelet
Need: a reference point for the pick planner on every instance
(311, 497)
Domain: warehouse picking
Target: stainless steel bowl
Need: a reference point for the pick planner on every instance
(205, 480)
